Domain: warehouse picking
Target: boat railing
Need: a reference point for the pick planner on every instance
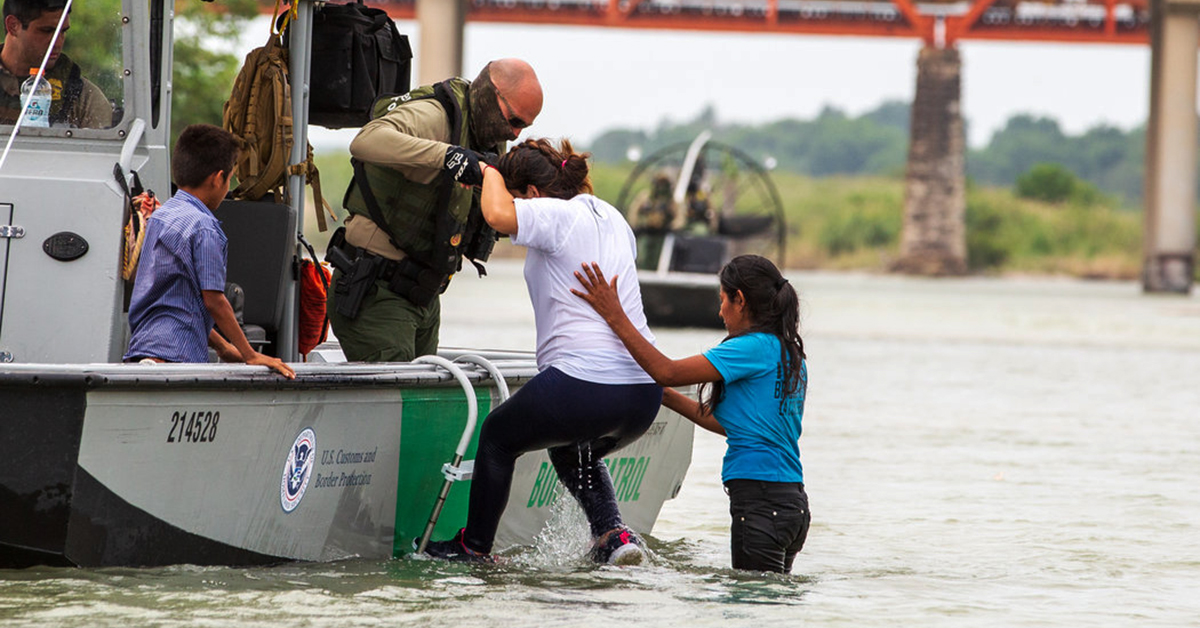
(458, 469)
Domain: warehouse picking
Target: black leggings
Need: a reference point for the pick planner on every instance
(770, 523)
(580, 423)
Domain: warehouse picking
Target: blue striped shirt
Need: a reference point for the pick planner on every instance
(182, 255)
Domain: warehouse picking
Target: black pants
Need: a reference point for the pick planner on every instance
(580, 423)
(770, 523)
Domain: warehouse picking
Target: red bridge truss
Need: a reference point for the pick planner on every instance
(935, 22)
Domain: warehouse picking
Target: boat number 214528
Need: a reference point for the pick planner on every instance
(198, 426)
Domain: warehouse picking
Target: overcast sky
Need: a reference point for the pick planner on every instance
(597, 79)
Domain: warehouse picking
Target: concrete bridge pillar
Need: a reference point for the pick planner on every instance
(1170, 219)
(934, 240)
(441, 48)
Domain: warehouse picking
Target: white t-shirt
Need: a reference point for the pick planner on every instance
(571, 336)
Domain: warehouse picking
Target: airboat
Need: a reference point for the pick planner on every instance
(693, 207)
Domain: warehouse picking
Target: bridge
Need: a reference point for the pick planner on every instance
(934, 237)
(1103, 21)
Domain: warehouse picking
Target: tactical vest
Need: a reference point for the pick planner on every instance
(66, 83)
(426, 221)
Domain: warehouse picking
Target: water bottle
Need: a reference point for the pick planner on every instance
(35, 103)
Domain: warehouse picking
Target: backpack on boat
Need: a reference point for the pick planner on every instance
(357, 56)
(259, 112)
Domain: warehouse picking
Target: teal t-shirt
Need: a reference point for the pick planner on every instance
(762, 430)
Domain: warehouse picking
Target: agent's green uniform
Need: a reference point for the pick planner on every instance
(76, 101)
(403, 151)
(388, 328)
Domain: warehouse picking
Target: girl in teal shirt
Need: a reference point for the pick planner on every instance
(752, 392)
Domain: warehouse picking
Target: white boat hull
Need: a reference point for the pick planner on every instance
(151, 465)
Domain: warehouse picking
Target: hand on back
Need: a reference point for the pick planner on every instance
(601, 295)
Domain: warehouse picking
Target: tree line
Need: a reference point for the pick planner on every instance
(875, 143)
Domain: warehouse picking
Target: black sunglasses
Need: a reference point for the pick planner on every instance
(513, 121)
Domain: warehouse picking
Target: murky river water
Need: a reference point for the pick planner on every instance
(977, 453)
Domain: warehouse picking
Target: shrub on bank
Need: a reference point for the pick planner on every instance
(1055, 183)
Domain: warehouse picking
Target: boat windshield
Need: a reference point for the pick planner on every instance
(83, 69)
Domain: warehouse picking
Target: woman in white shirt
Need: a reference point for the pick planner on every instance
(590, 397)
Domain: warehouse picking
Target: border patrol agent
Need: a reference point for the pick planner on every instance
(28, 28)
(414, 210)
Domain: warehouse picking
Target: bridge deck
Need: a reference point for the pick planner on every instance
(1097, 21)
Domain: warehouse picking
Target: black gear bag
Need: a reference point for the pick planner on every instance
(358, 55)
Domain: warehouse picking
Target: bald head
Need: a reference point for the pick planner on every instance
(518, 83)
(505, 98)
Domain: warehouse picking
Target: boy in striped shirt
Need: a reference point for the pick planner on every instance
(179, 293)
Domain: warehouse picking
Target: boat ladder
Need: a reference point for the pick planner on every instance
(459, 469)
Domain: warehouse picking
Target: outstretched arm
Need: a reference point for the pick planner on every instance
(689, 409)
(602, 296)
(222, 313)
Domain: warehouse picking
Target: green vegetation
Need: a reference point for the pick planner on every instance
(1006, 233)
(99, 52)
(1111, 159)
(1054, 183)
(855, 222)
(832, 143)
(1047, 182)
(876, 143)
(1038, 201)
(203, 72)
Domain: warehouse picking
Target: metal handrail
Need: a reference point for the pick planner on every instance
(472, 415)
(497, 376)
(452, 470)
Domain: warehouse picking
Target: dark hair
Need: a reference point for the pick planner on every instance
(555, 172)
(773, 308)
(201, 150)
(27, 11)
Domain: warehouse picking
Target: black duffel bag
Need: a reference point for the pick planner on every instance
(358, 55)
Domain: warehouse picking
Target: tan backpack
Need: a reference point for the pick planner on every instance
(259, 111)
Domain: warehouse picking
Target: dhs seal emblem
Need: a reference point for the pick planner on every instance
(297, 470)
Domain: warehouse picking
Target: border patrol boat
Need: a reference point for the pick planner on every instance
(103, 463)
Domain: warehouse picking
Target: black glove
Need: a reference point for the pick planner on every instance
(491, 159)
(463, 165)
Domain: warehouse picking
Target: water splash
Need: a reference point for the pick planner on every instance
(564, 541)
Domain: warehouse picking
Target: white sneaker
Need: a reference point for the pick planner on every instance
(619, 546)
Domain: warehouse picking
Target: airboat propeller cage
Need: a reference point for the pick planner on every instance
(689, 167)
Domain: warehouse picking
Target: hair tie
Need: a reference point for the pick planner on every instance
(781, 283)
(562, 165)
